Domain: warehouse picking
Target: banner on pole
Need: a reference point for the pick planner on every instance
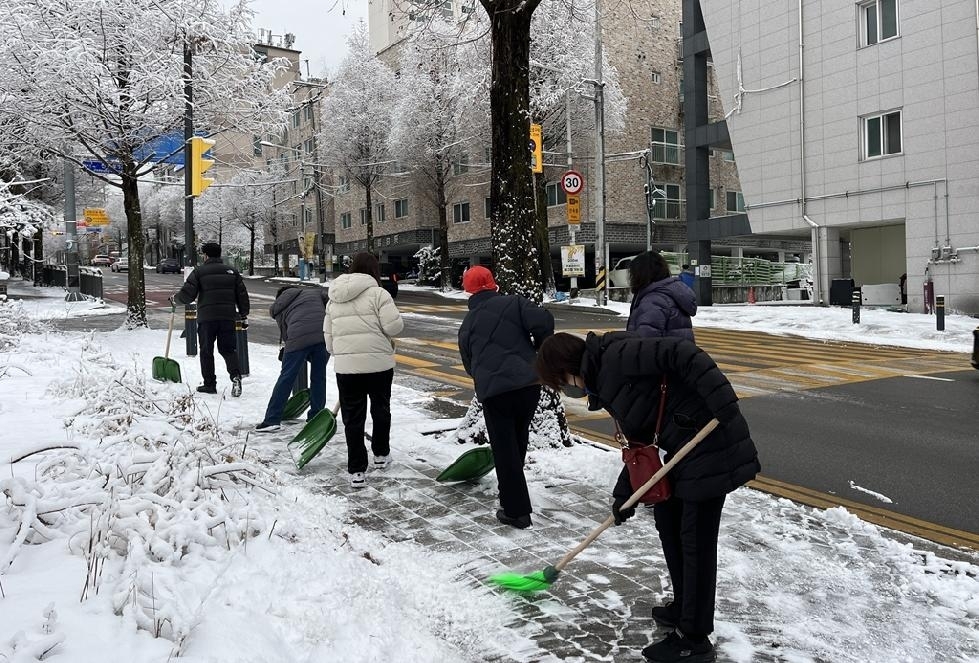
(573, 260)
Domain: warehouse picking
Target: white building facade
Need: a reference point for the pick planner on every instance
(862, 120)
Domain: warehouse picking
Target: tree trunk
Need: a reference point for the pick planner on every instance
(515, 257)
(370, 217)
(251, 249)
(543, 242)
(134, 226)
(445, 270)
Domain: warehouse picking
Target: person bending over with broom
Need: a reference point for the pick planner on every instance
(662, 391)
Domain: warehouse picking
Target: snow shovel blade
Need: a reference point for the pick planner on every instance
(470, 466)
(166, 370)
(296, 405)
(313, 437)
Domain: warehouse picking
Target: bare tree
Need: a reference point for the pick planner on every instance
(102, 83)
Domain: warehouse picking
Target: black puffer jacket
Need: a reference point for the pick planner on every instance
(219, 291)
(498, 341)
(299, 313)
(623, 373)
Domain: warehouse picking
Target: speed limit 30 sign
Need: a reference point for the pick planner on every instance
(572, 182)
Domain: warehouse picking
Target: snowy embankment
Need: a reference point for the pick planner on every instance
(135, 509)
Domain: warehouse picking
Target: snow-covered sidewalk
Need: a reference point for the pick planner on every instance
(172, 519)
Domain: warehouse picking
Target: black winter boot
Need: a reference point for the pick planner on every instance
(667, 615)
(678, 648)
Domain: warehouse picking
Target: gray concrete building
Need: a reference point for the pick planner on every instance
(861, 120)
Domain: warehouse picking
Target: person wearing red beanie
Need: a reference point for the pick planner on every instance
(498, 342)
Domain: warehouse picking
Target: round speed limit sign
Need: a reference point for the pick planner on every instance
(572, 182)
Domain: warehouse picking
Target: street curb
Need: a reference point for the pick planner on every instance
(592, 310)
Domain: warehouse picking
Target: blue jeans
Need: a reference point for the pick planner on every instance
(292, 363)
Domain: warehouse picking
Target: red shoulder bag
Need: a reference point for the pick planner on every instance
(643, 461)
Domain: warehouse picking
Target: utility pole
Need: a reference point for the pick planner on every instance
(572, 227)
(190, 255)
(601, 282)
(71, 240)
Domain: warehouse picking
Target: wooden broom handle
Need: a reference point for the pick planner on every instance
(677, 457)
(166, 353)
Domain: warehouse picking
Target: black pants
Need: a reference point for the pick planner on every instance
(222, 331)
(508, 418)
(355, 389)
(688, 532)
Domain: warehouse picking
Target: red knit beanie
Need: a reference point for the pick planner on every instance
(476, 279)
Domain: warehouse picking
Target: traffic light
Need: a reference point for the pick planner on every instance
(198, 164)
(537, 149)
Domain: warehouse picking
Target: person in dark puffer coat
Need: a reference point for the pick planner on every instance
(299, 312)
(622, 373)
(498, 342)
(662, 305)
(221, 299)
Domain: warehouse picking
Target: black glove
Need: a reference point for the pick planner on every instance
(281, 352)
(621, 515)
(243, 321)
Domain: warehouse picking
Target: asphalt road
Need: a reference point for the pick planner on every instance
(909, 440)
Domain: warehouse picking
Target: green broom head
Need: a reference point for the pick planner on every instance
(534, 582)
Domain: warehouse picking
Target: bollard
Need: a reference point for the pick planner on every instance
(975, 348)
(241, 344)
(940, 312)
(190, 328)
(855, 301)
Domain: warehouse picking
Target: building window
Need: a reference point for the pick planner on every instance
(257, 146)
(379, 215)
(882, 135)
(295, 118)
(669, 206)
(488, 208)
(345, 221)
(309, 146)
(363, 216)
(666, 146)
(879, 20)
(712, 200)
(735, 202)
(461, 164)
(656, 77)
(343, 184)
(401, 208)
(308, 111)
(460, 213)
(555, 195)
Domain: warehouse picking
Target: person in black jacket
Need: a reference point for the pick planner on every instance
(221, 299)
(622, 373)
(299, 312)
(498, 342)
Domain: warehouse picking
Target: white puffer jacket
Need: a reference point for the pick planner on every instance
(361, 323)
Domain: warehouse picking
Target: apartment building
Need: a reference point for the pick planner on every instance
(859, 119)
(646, 52)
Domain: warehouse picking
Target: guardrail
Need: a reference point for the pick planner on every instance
(727, 271)
(90, 279)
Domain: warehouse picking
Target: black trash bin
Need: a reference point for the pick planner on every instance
(841, 292)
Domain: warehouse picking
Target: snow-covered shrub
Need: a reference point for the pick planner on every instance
(429, 266)
(549, 427)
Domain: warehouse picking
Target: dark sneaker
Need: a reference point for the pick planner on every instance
(266, 427)
(678, 648)
(520, 522)
(204, 389)
(236, 386)
(667, 615)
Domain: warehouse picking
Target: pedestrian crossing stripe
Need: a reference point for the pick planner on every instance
(433, 308)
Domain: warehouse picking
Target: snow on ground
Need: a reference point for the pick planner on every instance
(174, 520)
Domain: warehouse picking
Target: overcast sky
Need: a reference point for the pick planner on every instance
(321, 32)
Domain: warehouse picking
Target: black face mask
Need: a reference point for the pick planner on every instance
(574, 391)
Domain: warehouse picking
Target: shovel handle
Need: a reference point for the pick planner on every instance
(677, 457)
(173, 312)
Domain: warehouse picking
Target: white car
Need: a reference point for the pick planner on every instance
(120, 265)
(618, 276)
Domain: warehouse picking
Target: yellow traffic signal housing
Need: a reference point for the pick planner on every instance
(537, 148)
(198, 164)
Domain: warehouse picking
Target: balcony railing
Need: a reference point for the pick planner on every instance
(667, 153)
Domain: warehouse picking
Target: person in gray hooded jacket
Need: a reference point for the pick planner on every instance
(299, 312)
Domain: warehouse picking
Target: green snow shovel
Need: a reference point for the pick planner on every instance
(296, 405)
(470, 466)
(314, 436)
(164, 368)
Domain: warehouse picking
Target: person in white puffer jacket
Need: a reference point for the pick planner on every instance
(360, 325)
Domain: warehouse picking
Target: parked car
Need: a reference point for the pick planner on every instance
(120, 265)
(389, 279)
(168, 265)
(101, 260)
(618, 276)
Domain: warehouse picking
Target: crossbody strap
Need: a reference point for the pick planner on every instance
(621, 439)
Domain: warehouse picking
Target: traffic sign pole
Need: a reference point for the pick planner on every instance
(572, 182)
(72, 281)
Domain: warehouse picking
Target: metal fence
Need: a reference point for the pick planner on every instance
(90, 279)
(727, 271)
